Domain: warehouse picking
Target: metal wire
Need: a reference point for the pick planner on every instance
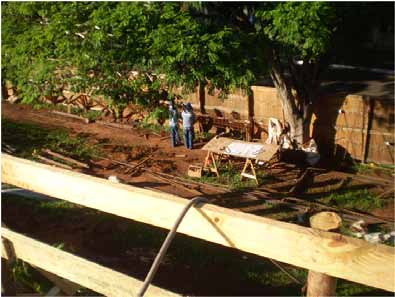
(286, 272)
(166, 244)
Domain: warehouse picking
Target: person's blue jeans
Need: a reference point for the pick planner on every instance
(188, 137)
(174, 136)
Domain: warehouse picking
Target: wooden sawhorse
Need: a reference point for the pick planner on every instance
(210, 163)
(244, 173)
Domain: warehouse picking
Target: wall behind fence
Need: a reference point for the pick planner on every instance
(342, 123)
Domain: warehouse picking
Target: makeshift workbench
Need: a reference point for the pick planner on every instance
(218, 147)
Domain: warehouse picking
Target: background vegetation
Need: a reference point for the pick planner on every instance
(141, 51)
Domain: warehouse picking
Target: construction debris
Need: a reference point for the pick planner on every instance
(275, 129)
(380, 237)
(303, 182)
(67, 159)
(359, 229)
(8, 148)
(114, 179)
(52, 162)
(311, 150)
(195, 171)
(134, 168)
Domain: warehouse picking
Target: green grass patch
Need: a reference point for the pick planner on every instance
(230, 177)
(274, 277)
(362, 168)
(361, 200)
(30, 278)
(203, 136)
(51, 207)
(153, 127)
(27, 138)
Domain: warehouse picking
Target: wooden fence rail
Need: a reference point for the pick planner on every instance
(333, 254)
(78, 270)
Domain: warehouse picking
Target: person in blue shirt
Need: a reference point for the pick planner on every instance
(174, 133)
(188, 119)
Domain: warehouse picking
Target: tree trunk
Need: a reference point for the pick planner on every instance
(298, 108)
(202, 96)
(299, 123)
(250, 132)
(288, 101)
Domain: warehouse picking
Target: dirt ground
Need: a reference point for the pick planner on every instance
(175, 161)
(82, 232)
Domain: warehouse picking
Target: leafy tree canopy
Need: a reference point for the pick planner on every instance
(94, 46)
(302, 28)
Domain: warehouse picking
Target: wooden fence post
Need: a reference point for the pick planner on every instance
(320, 284)
(8, 287)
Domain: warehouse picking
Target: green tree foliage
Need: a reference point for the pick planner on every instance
(304, 37)
(27, 58)
(192, 51)
(304, 29)
(300, 35)
(93, 47)
(276, 36)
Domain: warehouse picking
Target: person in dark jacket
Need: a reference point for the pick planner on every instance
(173, 123)
(188, 119)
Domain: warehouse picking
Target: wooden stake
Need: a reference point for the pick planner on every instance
(8, 287)
(320, 284)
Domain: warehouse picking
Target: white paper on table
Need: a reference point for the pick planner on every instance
(247, 150)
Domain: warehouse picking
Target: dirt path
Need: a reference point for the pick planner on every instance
(163, 152)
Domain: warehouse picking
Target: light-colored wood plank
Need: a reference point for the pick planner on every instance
(325, 252)
(78, 270)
